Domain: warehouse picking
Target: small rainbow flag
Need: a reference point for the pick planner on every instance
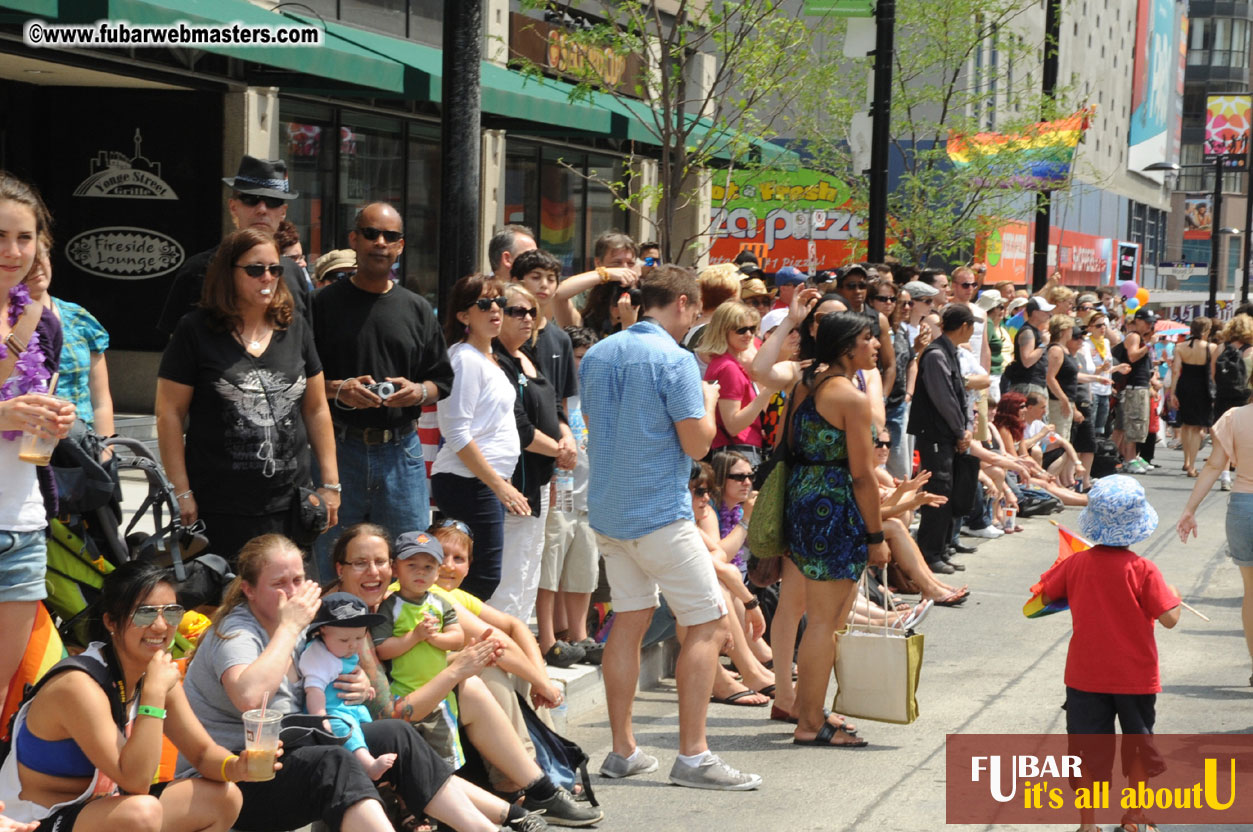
(1038, 158)
(1069, 544)
(42, 651)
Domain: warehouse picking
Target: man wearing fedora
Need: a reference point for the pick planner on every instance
(260, 193)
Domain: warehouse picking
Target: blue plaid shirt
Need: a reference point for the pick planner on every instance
(634, 386)
(83, 336)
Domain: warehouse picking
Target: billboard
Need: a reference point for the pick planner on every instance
(1227, 126)
(1156, 61)
(783, 216)
(1080, 259)
(1198, 217)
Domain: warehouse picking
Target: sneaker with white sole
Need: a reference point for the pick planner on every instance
(714, 774)
(617, 766)
(562, 810)
(987, 532)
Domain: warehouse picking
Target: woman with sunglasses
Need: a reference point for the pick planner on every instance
(471, 477)
(537, 414)
(84, 756)
(724, 345)
(242, 373)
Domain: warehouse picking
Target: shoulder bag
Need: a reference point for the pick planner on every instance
(767, 537)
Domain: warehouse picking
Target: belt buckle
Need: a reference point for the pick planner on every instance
(388, 436)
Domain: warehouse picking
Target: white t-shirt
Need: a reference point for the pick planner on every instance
(479, 409)
(1096, 361)
(1034, 429)
(21, 506)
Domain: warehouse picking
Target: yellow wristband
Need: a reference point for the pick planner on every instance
(225, 762)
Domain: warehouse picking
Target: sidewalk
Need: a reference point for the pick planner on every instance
(987, 670)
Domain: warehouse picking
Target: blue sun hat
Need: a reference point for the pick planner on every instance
(1118, 512)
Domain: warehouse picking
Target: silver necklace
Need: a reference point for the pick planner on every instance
(253, 343)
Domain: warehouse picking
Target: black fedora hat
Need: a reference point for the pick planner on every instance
(263, 177)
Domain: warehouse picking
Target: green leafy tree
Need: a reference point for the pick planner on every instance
(716, 76)
(960, 67)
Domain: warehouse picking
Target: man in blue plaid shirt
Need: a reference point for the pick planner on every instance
(648, 416)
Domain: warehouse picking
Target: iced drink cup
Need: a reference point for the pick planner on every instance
(261, 742)
(35, 449)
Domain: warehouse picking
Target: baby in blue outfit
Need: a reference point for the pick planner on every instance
(335, 636)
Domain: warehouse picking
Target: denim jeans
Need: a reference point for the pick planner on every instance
(467, 499)
(901, 454)
(383, 484)
(1100, 415)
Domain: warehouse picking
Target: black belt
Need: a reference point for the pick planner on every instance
(374, 436)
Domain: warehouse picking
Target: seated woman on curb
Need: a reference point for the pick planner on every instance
(362, 558)
(70, 762)
(249, 657)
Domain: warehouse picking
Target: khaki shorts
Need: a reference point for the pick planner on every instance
(1061, 424)
(1132, 415)
(673, 559)
(982, 433)
(570, 554)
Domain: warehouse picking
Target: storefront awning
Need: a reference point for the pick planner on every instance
(46, 9)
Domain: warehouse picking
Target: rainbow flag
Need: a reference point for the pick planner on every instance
(1012, 325)
(1069, 544)
(42, 651)
(1038, 158)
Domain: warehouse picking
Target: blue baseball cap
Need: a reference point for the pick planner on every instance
(789, 276)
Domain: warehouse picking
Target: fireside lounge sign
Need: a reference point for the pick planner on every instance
(124, 253)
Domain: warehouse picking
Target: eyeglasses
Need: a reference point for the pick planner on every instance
(450, 523)
(760, 300)
(372, 234)
(746, 330)
(146, 615)
(908, 303)
(855, 287)
(253, 200)
(363, 565)
(519, 312)
(258, 269)
(1087, 307)
(740, 477)
(485, 304)
(879, 443)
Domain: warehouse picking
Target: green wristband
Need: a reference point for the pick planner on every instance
(148, 710)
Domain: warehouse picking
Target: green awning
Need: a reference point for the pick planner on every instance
(46, 9)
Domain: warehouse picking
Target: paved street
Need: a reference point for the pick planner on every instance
(987, 670)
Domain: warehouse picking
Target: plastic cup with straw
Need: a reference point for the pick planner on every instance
(37, 449)
(261, 730)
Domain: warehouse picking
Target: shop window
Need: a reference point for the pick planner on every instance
(522, 187)
(386, 16)
(602, 214)
(422, 218)
(371, 168)
(1234, 245)
(426, 21)
(308, 147)
(561, 204)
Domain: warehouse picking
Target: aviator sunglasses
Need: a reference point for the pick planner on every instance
(146, 615)
(372, 234)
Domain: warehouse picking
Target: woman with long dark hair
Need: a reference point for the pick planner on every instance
(832, 517)
(242, 373)
(1191, 374)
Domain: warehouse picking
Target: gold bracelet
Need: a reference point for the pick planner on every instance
(225, 762)
(604, 274)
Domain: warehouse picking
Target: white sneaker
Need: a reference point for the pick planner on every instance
(988, 532)
(712, 774)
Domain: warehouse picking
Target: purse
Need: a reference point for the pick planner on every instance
(767, 537)
(301, 730)
(877, 669)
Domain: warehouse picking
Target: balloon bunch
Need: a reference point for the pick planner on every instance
(1134, 296)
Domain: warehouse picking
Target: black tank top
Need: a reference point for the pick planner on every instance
(1067, 374)
(1036, 373)
(1139, 376)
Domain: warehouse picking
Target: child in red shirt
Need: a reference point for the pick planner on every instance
(1114, 597)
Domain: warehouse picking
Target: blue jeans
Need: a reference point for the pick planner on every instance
(467, 499)
(1100, 415)
(383, 484)
(901, 454)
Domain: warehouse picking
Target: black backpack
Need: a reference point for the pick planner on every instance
(97, 670)
(1231, 378)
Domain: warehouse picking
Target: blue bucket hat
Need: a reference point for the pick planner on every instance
(1118, 513)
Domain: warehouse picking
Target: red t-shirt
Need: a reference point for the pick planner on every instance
(733, 384)
(1115, 596)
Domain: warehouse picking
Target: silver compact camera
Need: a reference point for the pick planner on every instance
(382, 389)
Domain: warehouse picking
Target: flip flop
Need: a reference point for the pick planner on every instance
(768, 690)
(780, 715)
(827, 733)
(954, 599)
(734, 699)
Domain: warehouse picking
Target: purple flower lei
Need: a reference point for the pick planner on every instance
(30, 375)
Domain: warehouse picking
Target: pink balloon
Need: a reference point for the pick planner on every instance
(1128, 288)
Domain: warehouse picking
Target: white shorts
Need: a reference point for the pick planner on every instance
(673, 559)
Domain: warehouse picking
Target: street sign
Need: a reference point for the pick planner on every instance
(820, 219)
(813, 257)
(840, 8)
(1182, 271)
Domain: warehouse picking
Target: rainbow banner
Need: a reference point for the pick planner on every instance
(42, 651)
(1038, 158)
(1069, 544)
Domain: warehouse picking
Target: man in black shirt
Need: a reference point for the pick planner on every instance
(260, 193)
(369, 332)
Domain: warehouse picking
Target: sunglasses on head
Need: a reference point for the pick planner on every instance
(450, 523)
(519, 312)
(146, 615)
(746, 330)
(253, 200)
(259, 269)
(485, 304)
(372, 234)
(740, 477)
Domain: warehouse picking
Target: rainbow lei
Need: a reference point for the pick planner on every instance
(30, 375)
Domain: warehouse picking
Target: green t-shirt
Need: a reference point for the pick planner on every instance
(422, 662)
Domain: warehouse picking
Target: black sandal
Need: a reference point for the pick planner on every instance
(827, 733)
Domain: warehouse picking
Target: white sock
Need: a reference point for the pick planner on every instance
(634, 755)
(695, 760)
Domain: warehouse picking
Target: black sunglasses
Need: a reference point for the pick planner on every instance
(740, 477)
(879, 443)
(339, 274)
(372, 234)
(257, 269)
(450, 523)
(146, 616)
(519, 312)
(885, 298)
(485, 304)
(970, 285)
(253, 200)
(700, 492)
(746, 330)
(856, 287)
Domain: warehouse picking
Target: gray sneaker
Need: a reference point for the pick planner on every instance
(617, 766)
(712, 774)
(562, 810)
